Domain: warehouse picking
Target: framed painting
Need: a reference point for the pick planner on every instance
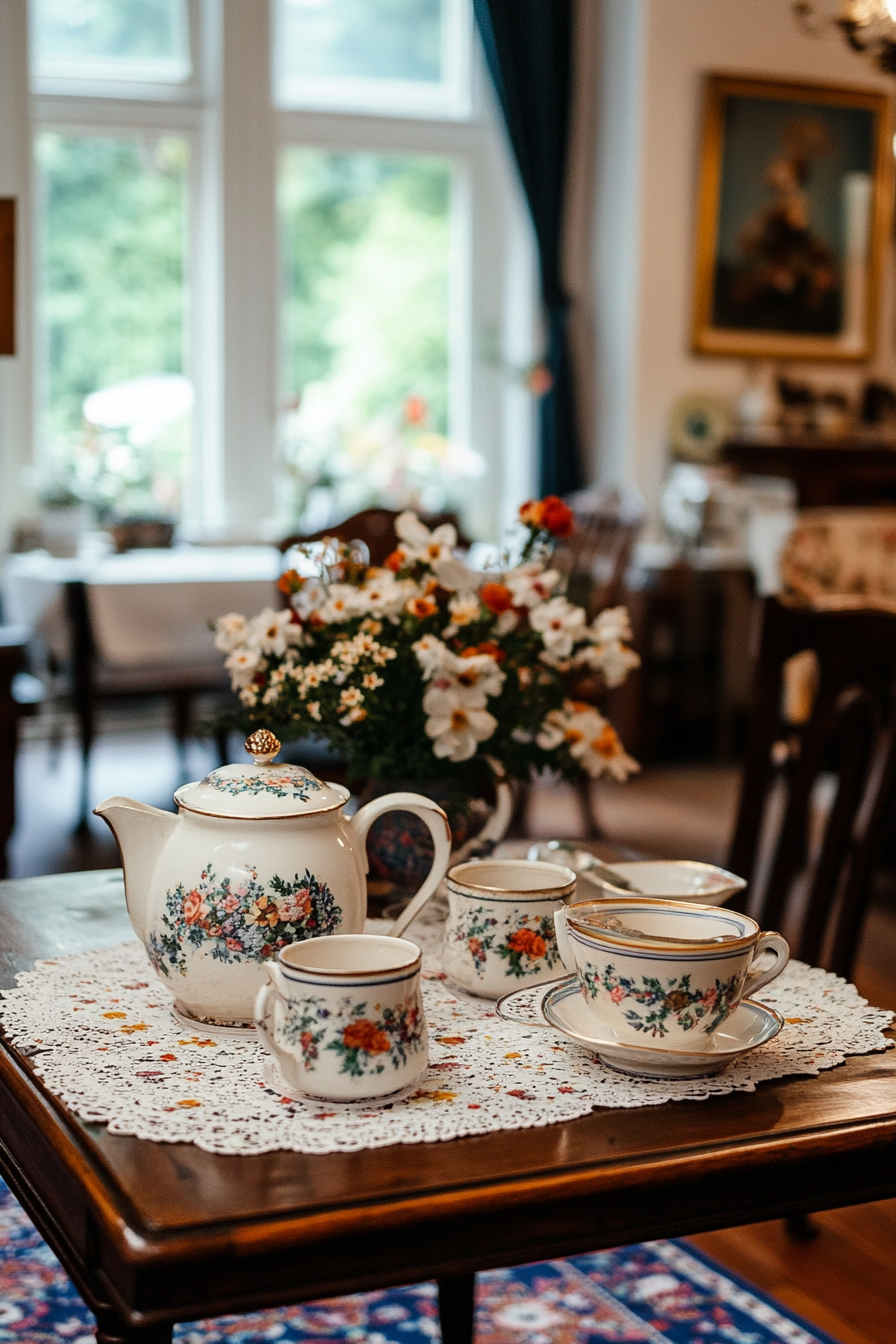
(793, 217)
(7, 275)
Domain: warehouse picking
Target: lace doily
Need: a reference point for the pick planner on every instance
(99, 1029)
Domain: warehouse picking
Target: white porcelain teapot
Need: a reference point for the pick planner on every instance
(257, 856)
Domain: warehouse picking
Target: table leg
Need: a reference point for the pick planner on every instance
(456, 1308)
(111, 1330)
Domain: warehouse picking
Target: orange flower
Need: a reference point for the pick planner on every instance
(539, 379)
(531, 513)
(290, 582)
(415, 410)
(421, 606)
(493, 650)
(394, 561)
(496, 596)
(607, 744)
(557, 517)
(526, 941)
(194, 907)
(365, 1035)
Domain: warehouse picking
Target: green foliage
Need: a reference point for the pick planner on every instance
(113, 296)
(366, 260)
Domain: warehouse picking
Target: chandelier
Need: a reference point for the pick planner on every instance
(868, 26)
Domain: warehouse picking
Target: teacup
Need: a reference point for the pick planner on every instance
(500, 928)
(343, 1016)
(670, 972)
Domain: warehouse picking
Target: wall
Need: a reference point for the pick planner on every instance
(651, 56)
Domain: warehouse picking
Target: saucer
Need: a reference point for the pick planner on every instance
(224, 1030)
(560, 1005)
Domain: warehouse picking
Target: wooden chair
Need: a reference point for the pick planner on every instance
(20, 693)
(595, 560)
(92, 682)
(376, 528)
(597, 555)
(845, 731)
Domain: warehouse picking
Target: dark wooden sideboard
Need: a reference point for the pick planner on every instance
(859, 469)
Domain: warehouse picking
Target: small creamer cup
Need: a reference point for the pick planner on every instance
(500, 929)
(665, 972)
(343, 1016)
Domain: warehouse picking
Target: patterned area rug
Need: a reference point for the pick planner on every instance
(661, 1292)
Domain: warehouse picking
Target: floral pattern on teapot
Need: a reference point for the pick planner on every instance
(533, 940)
(287, 785)
(365, 1042)
(690, 1008)
(240, 920)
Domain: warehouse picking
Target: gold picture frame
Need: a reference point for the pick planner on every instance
(793, 216)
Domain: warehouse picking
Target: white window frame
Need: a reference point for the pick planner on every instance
(492, 306)
(232, 266)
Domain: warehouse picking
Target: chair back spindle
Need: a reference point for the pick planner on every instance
(845, 733)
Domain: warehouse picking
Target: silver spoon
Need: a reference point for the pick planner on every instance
(593, 865)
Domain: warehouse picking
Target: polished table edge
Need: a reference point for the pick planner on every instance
(149, 1275)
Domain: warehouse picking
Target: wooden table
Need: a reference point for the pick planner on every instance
(154, 1233)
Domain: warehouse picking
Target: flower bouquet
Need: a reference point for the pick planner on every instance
(423, 670)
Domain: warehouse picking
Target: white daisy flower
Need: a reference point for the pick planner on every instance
(531, 584)
(269, 632)
(432, 655)
(559, 623)
(230, 631)
(421, 544)
(343, 602)
(242, 665)
(611, 625)
(455, 726)
(464, 608)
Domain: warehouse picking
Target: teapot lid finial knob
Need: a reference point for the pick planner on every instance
(262, 746)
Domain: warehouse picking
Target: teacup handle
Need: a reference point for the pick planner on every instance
(437, 824)
(564, 946)
(272, 989)
(767, 942)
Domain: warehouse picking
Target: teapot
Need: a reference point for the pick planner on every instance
(257, 856)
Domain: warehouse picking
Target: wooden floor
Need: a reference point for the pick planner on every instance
(845, 1279)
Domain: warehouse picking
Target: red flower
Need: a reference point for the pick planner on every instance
(496, 596)
(394, 561)
(557, 517)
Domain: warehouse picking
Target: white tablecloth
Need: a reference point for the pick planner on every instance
(146, 607)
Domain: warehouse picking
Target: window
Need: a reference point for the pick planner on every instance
(396, 56)
(400, 286)
(112, 310)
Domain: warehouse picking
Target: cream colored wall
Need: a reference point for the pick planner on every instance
(676, 43)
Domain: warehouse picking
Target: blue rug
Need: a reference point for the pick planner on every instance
(662, 1292)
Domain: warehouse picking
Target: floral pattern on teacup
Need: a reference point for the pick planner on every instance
(286, 785)
(366, 1040)
(530, 945)
(240, 920)
(676, 999)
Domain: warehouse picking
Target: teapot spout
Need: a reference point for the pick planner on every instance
(141, 832)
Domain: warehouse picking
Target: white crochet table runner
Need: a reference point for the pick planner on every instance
(100, 1031)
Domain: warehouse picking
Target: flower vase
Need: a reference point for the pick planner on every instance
(399, 847)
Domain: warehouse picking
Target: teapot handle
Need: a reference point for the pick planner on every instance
(437, 824)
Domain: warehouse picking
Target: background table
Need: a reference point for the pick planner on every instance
(158, 1233)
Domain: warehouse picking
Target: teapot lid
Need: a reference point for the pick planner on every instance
(262, 789)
